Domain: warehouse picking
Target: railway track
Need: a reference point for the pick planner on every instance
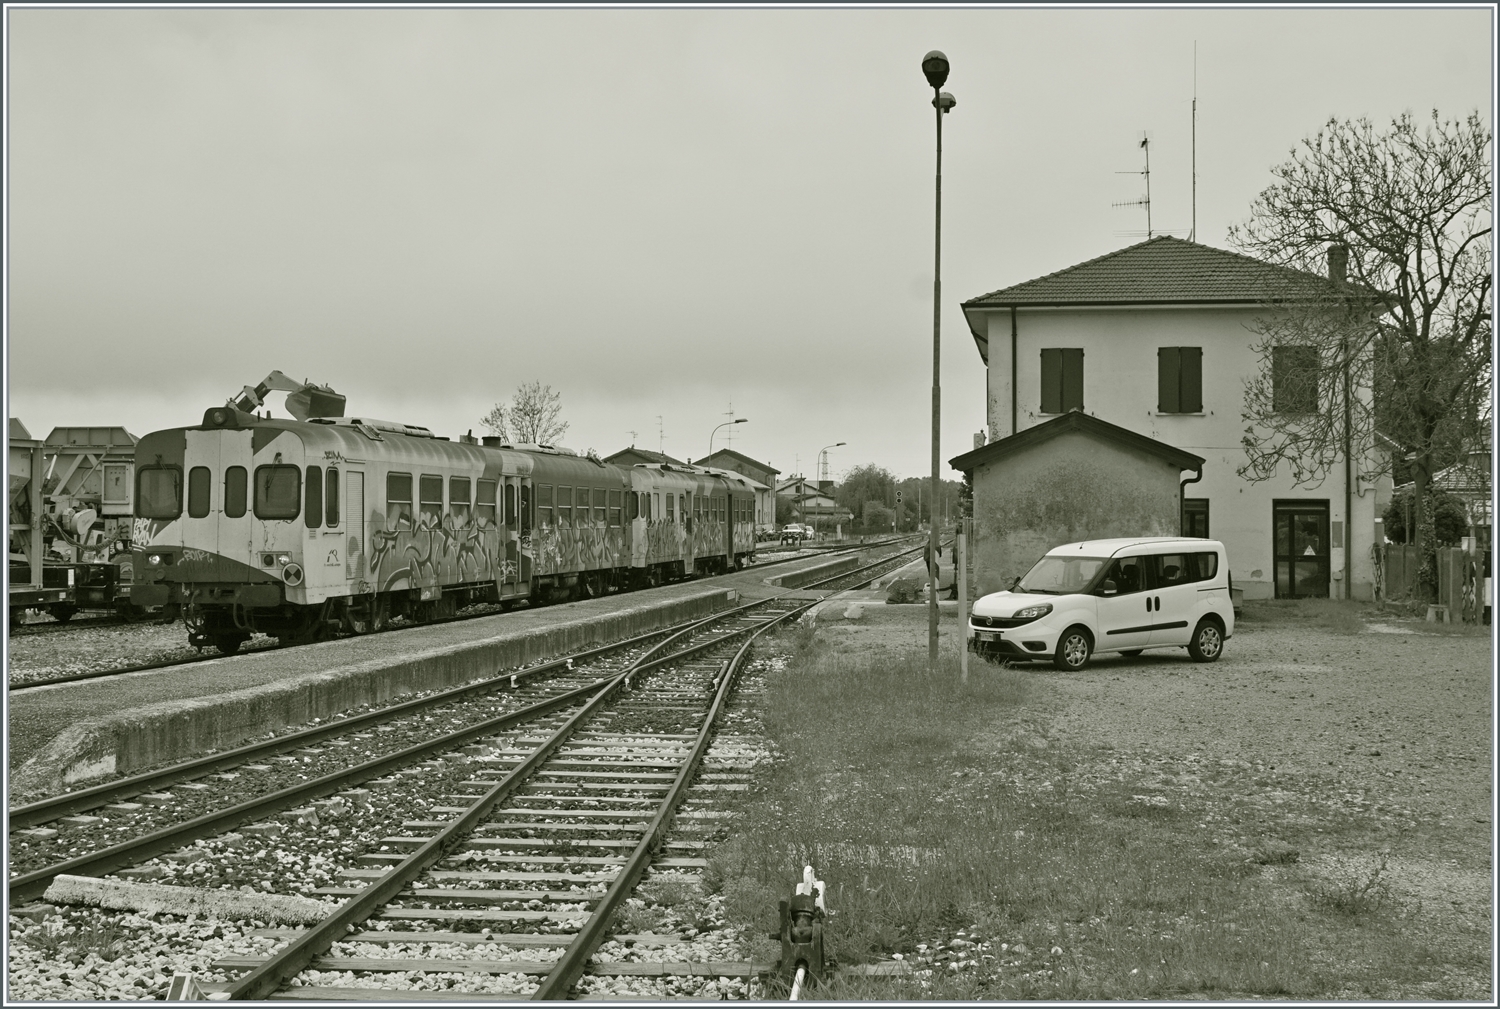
(485, 611)
(555, 810)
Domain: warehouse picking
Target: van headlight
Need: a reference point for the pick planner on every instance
(1033, 612)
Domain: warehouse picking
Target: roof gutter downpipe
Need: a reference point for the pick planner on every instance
(1182, 499)
(1013, 369)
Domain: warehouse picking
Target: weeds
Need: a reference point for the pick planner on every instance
(57, 940)
(1337, 616)
(1356, 886)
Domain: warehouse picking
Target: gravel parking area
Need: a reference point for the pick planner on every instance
(1329, 749)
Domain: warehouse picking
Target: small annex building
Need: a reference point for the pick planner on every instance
(1074, 477)
(633, 456)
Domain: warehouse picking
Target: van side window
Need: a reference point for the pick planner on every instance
(1126, 573)
(1181, 569)
(1203, 567)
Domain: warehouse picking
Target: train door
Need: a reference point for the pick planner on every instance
(685, 520)
(524, 530)
(354, 515)
(200, 463)
(509, 535)
(236, 521)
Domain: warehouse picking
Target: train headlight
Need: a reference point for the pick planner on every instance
(283, 558)
(154, 560)
(219, 416)
(292, 574)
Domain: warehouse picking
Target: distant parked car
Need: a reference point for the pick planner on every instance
(796, 532)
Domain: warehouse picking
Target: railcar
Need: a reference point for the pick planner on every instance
(299, 528)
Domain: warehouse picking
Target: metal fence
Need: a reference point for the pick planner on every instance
(1461, 577)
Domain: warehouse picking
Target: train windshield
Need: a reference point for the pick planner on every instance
(158, 492)
(278, 492)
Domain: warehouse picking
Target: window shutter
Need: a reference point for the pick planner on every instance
(1167, 377)
(1072, 379)
(1191, 368)
(1052, 383)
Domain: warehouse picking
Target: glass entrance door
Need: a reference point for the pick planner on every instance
(1301, 547)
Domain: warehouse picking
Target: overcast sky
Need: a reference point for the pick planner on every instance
(660, 213)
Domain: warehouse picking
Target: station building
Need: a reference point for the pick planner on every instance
(1157, 340)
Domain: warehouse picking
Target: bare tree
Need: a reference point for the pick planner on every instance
(1408, 210)
(495, 422)
(533, 415)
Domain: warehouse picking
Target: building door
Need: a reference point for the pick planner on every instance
(1301, 544)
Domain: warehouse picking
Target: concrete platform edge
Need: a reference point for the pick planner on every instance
(136, 738)
(825, 569)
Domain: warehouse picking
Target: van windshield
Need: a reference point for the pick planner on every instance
(1058, 576)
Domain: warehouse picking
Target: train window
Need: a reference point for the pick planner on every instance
(278, 491)
(632, 506)
(510, 504)
(614, 508)
(599, 506)
(671, 512)
(565, 506)
(236, 481)
(431, 505)
(656, 508)
(331, 498)
(544, 505)
(158, 492)
(314, 511)
(525, 508)
(484, 502)
(198, 479)
(398, 500)
(458, 499)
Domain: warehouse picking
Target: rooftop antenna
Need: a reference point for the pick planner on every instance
(1193, 234)
(1144, 201)
(632, 438)
(661, 437)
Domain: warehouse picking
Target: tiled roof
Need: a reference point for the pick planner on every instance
(731, 453)
(1074, 420)
(646, 455)
(1160, 270)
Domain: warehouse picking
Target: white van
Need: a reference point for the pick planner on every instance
(1121, 595)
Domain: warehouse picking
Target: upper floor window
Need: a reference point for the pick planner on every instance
(1062, 379)
(1294, 379)
(1179, 380)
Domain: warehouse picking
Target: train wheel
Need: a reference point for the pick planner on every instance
(62, 612)
(359, 616)
(228, 644)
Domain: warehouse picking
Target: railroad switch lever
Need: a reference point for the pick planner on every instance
(801, 932)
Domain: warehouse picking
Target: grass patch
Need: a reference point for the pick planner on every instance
(994, 861)
(1336, 616)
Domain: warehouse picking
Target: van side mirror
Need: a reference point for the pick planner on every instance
(1108, 588)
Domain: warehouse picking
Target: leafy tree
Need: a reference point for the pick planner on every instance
(1448, 513)
(876, 518)
(1411, 209)
(531, 417)
(865, 483)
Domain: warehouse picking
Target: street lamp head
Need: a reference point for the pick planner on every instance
(837, 444)
(945, 102)
(741, 420)
(935, 66)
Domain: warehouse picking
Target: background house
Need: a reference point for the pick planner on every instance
(633, 456)
(764, 474)
(1158, 338)
(812, 505)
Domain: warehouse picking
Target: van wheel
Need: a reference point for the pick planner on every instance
(1207, 643)
(1073, 650)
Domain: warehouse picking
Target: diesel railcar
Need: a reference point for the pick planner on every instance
(299, 528)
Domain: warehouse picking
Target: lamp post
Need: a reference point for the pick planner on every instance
(737, 420)
(935, 68)
(823, 460)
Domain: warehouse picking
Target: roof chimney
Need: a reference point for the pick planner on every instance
(1338, 264)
